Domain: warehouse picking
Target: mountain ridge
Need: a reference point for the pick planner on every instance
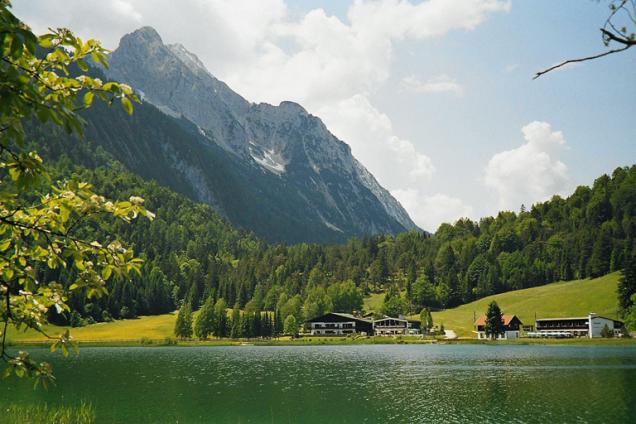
(284, 140)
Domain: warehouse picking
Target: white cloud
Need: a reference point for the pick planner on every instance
(394, 161)
(331, 66)
(532, 172)
(439, 84)
(429, 212)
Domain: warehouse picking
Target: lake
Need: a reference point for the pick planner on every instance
(344, 384)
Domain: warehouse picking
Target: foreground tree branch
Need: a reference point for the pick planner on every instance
(582, 59)
(37, 217)
(609, 33)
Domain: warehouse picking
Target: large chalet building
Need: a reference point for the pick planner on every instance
(339, 324)
(590, 326)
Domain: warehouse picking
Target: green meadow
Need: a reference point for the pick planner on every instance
(563, 299)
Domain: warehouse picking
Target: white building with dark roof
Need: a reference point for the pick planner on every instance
(338, 324)
(588, 326)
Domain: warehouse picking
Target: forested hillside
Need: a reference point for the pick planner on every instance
(192, 253)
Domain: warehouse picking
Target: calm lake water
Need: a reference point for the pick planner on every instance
(345, 384)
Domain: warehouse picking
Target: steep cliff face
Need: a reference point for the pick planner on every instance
(289, 148)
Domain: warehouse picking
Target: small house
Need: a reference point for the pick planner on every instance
(511, 326)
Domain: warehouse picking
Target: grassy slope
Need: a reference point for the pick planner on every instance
(153, 327)
(571, 298)
(373, 302)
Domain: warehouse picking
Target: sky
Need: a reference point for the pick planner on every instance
(435, 97)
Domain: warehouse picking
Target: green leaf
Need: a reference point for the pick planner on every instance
(127, 104)
(106, 272)
(4, 244)
(88, 98)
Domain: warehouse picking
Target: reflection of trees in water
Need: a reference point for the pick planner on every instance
(393, 384)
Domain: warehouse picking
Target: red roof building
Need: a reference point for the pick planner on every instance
(511, 324)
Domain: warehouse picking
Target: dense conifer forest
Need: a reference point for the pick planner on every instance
(192, 254)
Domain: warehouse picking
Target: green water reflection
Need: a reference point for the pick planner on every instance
(345, 384)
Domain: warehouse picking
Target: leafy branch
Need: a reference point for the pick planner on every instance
(38, 219)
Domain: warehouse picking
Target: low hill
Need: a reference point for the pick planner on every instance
(569, 298)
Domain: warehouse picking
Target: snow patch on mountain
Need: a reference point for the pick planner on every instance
(267, 158)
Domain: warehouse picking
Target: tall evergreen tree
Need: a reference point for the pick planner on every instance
(627, 283)
(278, 324)
(494, 321)
(247, 329)
(220, 326)
(601, 252)
(205, 322)
(183, 325)
(426, 321)
(235, 331)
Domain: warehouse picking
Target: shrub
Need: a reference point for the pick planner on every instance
(124, 313)
(76, 319)
(170, 341)
(106, 317)
(606, 333)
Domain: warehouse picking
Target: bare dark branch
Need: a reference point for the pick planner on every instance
(582, 59)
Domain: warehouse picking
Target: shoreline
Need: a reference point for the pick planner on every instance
(329, 341)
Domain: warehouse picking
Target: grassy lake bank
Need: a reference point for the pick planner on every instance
(569, 298)
(336, 341)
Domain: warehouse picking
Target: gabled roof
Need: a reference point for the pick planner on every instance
(390, 318)
(505, 318)
(339, 314)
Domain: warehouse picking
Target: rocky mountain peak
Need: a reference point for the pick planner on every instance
(283, 140)
(145, 36)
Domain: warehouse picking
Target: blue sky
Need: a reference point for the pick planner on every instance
(592, 104)
(431, 95)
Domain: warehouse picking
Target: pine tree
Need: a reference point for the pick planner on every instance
(494, 321)
(278, 324)
(235, 331)
(426, 320)
(220, 319)
(257, 324)
(601, 253)
(266, 326)
(627, 283)
(242, 296)
(246, 326)
(204, 324)
(183, 326)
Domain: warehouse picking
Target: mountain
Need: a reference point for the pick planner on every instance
(275, 170)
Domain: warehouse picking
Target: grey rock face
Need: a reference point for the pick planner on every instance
(283, 140)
